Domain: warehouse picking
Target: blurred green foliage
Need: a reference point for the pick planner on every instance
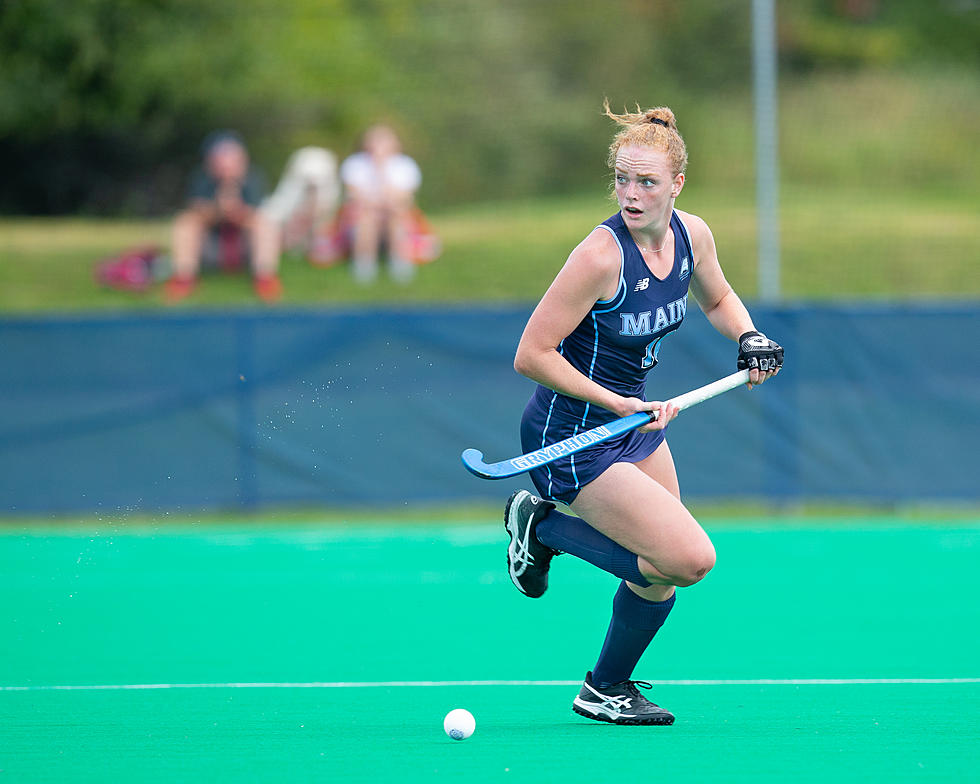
(103, 103)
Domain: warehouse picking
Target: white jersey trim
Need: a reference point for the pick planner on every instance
(687, 237)
(620, 295)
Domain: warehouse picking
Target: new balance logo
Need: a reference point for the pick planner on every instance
(641, 284)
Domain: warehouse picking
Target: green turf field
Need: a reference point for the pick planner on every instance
(233, 653)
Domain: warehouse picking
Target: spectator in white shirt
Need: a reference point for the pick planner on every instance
(380, 182)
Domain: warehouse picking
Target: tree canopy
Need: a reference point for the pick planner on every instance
(103, 103)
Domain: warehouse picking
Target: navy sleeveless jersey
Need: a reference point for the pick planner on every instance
(616, 345)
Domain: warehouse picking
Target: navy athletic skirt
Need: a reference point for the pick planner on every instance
(549, 418)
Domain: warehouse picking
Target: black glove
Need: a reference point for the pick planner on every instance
(757, 352)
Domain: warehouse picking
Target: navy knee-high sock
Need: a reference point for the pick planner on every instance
(634, 623)
(575, 536)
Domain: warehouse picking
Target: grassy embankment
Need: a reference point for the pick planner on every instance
(835, 244)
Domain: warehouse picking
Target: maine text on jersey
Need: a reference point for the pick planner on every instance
(646, 323)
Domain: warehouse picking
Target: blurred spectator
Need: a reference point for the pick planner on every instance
(221, 226)
(380, 183)
(305, 200)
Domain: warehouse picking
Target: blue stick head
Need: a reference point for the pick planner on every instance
(473, 462)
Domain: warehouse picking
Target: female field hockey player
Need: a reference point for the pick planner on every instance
(589, 345)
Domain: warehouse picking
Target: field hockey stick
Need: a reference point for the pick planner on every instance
(473, 458)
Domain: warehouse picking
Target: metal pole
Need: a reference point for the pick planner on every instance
(766, 145)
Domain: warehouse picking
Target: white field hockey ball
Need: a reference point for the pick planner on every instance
(459, 724)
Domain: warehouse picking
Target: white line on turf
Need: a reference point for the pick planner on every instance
(430, 684)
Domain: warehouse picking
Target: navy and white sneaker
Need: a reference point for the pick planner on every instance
(620, 703)
(527, 559)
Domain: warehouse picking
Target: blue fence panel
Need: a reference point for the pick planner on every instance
(246, 409)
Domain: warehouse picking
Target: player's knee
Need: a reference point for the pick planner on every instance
(695, 566)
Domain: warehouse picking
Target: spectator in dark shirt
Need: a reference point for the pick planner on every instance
(221, 226)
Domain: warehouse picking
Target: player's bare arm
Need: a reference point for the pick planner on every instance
(590, 274)
(714, 294)
(712, 291)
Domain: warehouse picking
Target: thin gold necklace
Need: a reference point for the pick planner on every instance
(653, 250)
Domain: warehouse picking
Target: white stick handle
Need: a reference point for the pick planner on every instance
(709, 391)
